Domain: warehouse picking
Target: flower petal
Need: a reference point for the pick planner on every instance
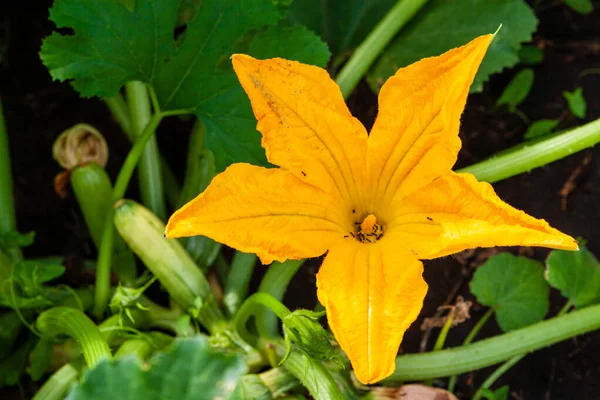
(269, 212)
(415, 136)
(372, 294)
(456, 212)
(306, 126)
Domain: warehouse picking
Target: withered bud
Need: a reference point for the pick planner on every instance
(80, 145)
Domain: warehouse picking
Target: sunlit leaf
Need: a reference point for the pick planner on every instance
(190, 369)
(445, 24)
(514, 287)
(530, 55)
(576, 102)
(581, 6)
(517, 89)
(576, 274)
(540, 128)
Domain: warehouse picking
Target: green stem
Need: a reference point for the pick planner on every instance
(508, 364)
(149, 174)
(313, 375)
(250, 307)
(238, 280)
(59, 321)
(525, 157)
(441, 339)
(365, 54)
(488, 314)
(278, 381)
(102, 288)
(8, 221)
(413, 367)
(469, 339)
(120, 111)
(56, 387)
(275, 283)
(140, 348)
(496, 375)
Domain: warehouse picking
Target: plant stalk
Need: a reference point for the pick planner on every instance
(149, 174)
(8, 220)
(314, 376)
(56, 387)
(250, 307)
(414, 367)
(365, 54)
(60, 321)
(275, 283)
(525, 157)
(103, 267)
(238, 280)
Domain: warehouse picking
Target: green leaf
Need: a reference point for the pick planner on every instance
(275, 42)
(514, 287)
(10, 326)
(343, 24)
(581, 6)
(576, 102)
(13, 366)
(576, 274)
(530, 55)
(444, 24)
(540, 128)
(517, 89)
(24, 288)
(40, 359)
(113, 45)
(16, 239)
(190, 369)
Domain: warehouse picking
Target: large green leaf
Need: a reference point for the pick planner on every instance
(576, 274)
(189, 370)
(114, 43)
(514, 287)
(343, 24)
(445, 24)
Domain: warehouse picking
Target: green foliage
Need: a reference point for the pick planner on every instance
(40, 359)
(540, 128)
(302, 328)
(581, 6)
(113, 45)
(576, 274)
(445, 24)
(190, 369)
(13, 366)
(10, 327)
(517, 89)
(343, 24)
(530, 55)
(25, 287)
(276, 40)
(499, 394)
(16, 239)
(576, 102)
(514, 287)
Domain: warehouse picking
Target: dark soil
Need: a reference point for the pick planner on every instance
(37, 110)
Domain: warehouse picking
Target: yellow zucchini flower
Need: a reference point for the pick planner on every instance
(376, 203)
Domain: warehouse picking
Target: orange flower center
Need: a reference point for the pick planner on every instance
(368, 231)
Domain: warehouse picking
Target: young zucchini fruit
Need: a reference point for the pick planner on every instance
(168, 261)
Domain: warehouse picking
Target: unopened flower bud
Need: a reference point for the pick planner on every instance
(80, 145)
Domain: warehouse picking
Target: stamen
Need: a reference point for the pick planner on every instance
(367, 231)
(368, 224)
